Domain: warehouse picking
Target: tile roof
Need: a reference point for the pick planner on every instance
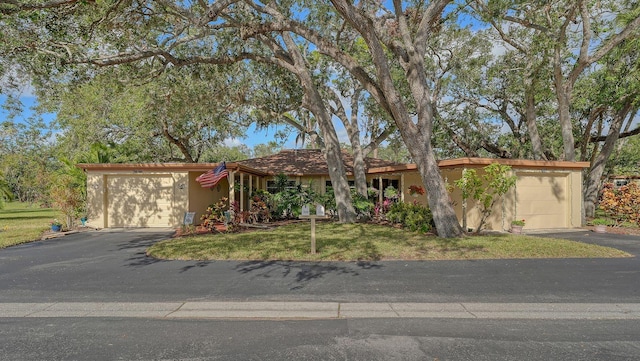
(306, 162)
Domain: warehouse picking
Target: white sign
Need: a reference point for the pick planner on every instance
(188, 217)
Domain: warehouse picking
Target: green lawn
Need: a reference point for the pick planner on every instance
(23, 222)
(349, 242)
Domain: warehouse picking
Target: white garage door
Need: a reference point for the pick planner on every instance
(542, 200)
(139, 201)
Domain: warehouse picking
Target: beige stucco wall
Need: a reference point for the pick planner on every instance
(200, 198)
(543, 199)
(409, 179)
(98, 196)
(563, 185)
(498, 220)
(450, 176)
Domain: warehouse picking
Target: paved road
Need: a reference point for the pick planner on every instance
(71, 299)
(361, 339)
(112, 266)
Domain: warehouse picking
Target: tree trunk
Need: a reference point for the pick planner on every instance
(597, 167)
(313, 101)
(532, 127)
(359, 166)
(417, 136)
(444, 216)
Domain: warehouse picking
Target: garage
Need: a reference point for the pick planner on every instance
(139, 201)
(547, 194)
(542, 199)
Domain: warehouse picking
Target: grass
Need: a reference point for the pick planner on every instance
(350, 242)
(22, 222)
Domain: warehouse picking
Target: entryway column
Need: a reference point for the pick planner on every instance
(232, 191)
(241, 192)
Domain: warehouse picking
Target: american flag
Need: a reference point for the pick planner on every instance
(212, 177)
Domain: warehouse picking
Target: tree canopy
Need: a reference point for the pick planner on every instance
(166, 79)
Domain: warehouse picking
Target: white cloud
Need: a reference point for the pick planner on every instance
(233, 142)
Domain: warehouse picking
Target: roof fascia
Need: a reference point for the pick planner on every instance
(149, 167)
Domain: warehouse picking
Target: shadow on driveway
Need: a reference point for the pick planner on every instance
(627, 243)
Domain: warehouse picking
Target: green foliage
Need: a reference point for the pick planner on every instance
(288, 202)
(486, 189)
(221, 153)
(281, 181)
(362, 205)
(68, 191)
(391, 192)
(602, 222)
(263, 150)
(626, 160)
(328, 200)
(413, 216)
(5, 191)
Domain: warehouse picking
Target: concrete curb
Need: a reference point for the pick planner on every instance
(323, 310)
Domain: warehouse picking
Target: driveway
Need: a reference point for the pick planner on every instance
(104, 266)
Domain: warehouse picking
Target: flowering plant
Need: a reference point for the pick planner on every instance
(517, 222)
(414, 189)
(56, 222)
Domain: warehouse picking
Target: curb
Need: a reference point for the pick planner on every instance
(324, 310)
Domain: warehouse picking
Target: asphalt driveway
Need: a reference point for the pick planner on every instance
(108, 266)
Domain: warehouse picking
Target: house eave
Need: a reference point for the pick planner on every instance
(166, 167)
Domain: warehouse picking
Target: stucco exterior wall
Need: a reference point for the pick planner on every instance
(409, 179)
(95, 200)
(200, 198)
(134, 204)
(555, 203)
(450, 176)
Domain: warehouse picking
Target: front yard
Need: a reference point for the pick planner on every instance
(351, 242)
(22, 222)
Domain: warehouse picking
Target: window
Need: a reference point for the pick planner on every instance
(271, 186)
(395, 183)
(328, 186)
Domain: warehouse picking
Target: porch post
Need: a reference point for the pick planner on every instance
(250, 184)
(232, 192)
(380, 195)
(241, 192)
(402, 187)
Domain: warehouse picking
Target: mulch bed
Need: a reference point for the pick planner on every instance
(620, 230)
(243, 228)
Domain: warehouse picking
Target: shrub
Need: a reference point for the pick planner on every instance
(601, 222)
(621, 204)
(485, 189)
(412, 216)
(362, 205)
(214, 214)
